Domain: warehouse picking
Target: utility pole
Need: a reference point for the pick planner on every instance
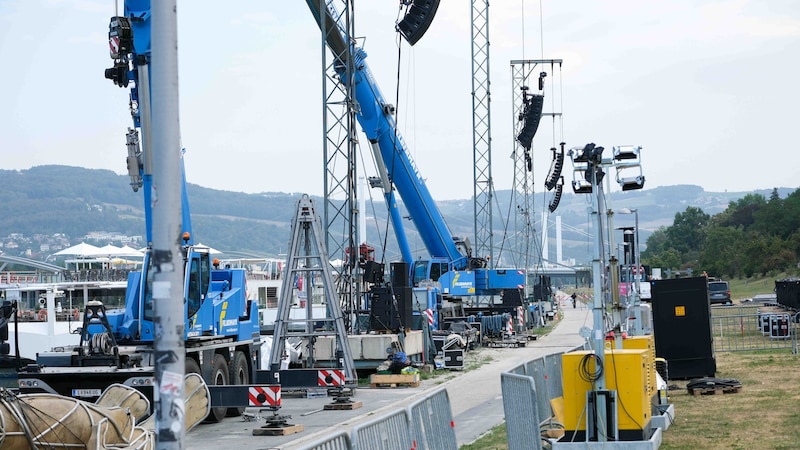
(168, 392)
(598, 305)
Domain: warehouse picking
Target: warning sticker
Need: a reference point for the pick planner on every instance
(170, 383)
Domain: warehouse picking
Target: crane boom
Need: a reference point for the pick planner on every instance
(375, 115)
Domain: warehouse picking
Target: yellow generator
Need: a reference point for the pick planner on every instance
(646, 343)
(628, 373)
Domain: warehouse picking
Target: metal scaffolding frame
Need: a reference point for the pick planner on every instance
(481, 132)
(522, 190)
(340, 202)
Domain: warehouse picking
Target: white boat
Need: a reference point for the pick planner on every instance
(53, 319)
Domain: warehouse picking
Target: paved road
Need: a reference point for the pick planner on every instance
(475, 398)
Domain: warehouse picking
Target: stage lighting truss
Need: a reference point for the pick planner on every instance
(555, 167)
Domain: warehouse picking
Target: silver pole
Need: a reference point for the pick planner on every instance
(598, 333)
(637, 298)
(168, 392)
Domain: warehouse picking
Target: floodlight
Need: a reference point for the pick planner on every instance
(625, 152)
(589, 152)
(629, 174)
(632, 183)
(581, 180)
(581, 187)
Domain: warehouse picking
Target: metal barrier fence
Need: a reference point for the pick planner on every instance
(337, 441)
(392, 432)
(527, 391)
(546, 373)
(748, 328)
(519, 370)
(426, 424)
(521, 411)
(432, 422)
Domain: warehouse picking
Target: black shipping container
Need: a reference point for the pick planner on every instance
(682, 327)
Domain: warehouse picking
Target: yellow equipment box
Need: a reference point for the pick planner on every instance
(649, 343)
(627, 372)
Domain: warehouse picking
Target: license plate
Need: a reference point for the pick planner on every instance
(86, 392)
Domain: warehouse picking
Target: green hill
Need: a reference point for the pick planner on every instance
(74, 201)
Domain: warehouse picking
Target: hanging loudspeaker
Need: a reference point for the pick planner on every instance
(555, 168)
(557, 196)
(531, 116)
(417, 20)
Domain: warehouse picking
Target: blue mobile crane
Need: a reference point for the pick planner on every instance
(222, 333)
(460, 274)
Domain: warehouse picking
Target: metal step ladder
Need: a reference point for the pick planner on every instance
(308, 259)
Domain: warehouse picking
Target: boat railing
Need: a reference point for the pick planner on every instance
(32, 277)
(96, 275)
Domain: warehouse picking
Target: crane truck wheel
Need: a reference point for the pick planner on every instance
(240, 374)
(219, 377)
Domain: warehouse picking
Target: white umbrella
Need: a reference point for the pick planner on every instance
(83, 249)
(110, 250)
(128, 251)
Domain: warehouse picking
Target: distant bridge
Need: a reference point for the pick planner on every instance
(27, 262)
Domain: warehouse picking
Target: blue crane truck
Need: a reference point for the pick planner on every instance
(222, 333)
(451, 272)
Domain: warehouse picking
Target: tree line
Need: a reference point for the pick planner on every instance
(753, 236)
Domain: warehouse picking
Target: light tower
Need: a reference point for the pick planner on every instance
(588, 173)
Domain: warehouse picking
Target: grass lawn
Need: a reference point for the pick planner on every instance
(764, 414)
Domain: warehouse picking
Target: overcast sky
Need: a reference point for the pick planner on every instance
(707, 88)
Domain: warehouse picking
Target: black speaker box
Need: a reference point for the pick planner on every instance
(682, 327)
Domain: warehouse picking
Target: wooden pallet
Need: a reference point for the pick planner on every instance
(516, 342)
(343, 406)
(391, 380)
(277, 431)
(717, 390)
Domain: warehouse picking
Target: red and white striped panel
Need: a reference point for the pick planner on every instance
(520, 317)
(510, 325)
(330, 377)
(429, 315)
(264, 395)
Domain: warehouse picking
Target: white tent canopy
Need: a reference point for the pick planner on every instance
(110, 250)
(129, 251)
(83, 250)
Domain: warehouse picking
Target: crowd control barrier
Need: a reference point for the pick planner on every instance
(521, 411)
(426, 424)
